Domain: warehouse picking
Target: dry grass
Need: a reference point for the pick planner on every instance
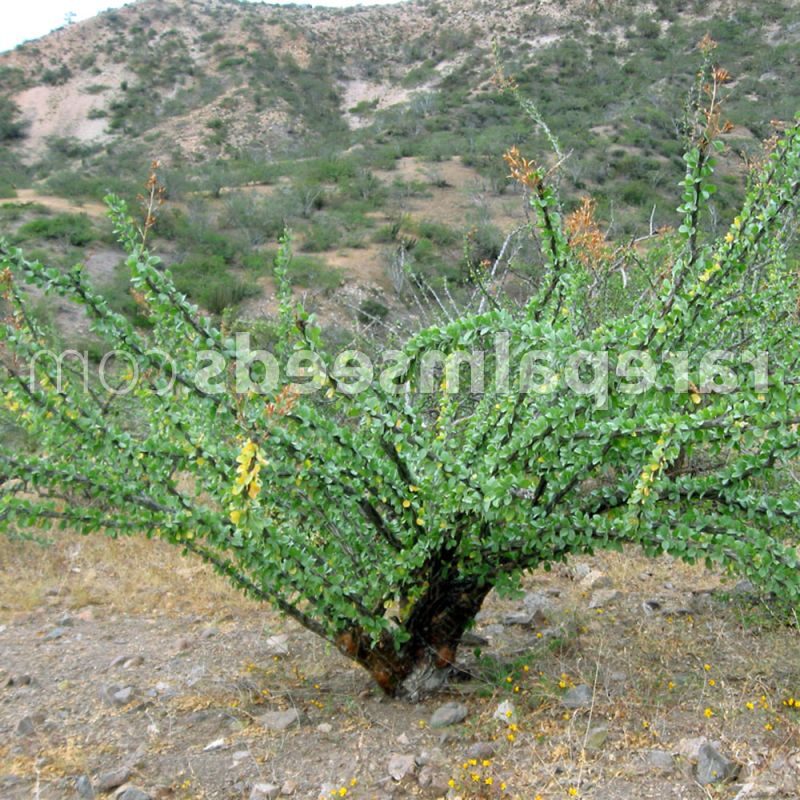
(134, 574)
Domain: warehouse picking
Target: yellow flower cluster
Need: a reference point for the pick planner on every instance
(250, 461)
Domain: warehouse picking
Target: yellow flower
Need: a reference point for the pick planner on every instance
(451, 783)
(489, 781)
(750, 706)
(236, 516)
(709, 713)
(712, 682)
(572, 791)
(707, 667)
(729, 237)
(406, 504)
(343, 791)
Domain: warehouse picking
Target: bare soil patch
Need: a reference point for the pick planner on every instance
(666, 658)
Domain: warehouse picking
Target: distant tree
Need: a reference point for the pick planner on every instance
(381, 518)
(11, 127)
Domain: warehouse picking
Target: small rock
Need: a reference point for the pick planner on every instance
(651, 606)
(481, 751)
(132, 793)
(505, 712)
(217, 744)
(196, 674)
(264, 791)
(597, 737)
(403, 739)
(289, 788)
(324, 727)
(56, 633)
(689, 748)
(85, 615)
(518, 618)
(277, 645)
(184, 644)
(400, 765)
(434, 779)
(120, 659)
(279, 720)
(603, 597)
(123, 696)
(208, 633)
(26, 727)
(578, 697)
(106, 781)
(537, 601)
(19, 680)
(66, 621)
(448, 714)
(84, 788)
(713, 767)
(660, 760)
(743, 587)
(580, 571)
(594, 579)
(133, 661)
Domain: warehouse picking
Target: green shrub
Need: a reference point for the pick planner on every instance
(75, 229)
(10, 126)
(312, 273)
(322, 234)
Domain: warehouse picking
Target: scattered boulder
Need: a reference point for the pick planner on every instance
(481, 751)
(713, 767)
(264, 791)
(400, 765)
(578, 697)
(603, 597)
(132, 793)
(277, 646)
(27, 725)
(660, 760)
(537, 601)
(289, 788)
(123, 696)
(689, 748)
(597, 737)
(19, 680)
(435, 779)
(56, 633)
(106, 781)
(505, 712)
(448, 714)
(324, 727)
(279, 720)
(594, 579)
(217, 744)
(84, 788)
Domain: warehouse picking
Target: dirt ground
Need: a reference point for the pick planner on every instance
(125, 667)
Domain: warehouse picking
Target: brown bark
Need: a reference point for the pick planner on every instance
(434, 626)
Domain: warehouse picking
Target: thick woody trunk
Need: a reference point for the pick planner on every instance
(435, 626)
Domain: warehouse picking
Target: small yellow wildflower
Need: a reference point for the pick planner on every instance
(707, 667)
(709, 713)
(750, 706)
(406, 504)
(712, 682)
